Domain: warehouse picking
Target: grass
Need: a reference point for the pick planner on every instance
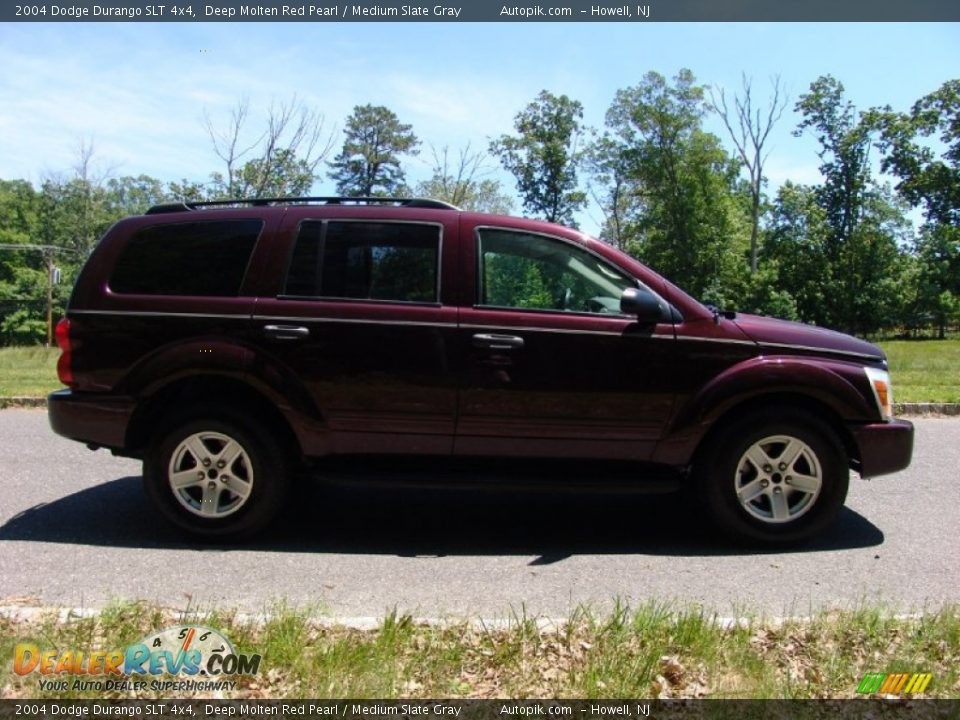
(923, 370)
(28, 371)
(650, 652)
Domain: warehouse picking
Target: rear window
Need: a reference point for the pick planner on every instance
(199, 258)
(366, 261)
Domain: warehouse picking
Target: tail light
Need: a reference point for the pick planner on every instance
(64, 369)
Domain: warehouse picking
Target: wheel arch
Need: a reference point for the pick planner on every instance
(824, 388)
(791, 401)
(206, 390)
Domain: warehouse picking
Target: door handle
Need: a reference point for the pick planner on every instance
(498, 342)
(286, 332)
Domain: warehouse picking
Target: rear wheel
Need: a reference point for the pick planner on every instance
(773, 477)
(216, 477)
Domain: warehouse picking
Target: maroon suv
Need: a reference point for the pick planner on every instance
(229, 344)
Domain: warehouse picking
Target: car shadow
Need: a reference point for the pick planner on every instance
(412, 522)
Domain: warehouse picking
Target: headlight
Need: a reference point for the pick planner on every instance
(882, 390)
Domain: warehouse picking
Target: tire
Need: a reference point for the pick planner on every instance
(773, 477)
(216, 476)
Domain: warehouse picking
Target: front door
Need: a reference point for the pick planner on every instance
(553, 369)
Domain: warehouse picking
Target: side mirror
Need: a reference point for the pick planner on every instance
(642, 303)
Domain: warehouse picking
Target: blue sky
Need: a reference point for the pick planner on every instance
(139, 91)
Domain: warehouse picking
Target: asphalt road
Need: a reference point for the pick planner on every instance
(76, 531)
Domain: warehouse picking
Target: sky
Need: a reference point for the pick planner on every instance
(139, 92)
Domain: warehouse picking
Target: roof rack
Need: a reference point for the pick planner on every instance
(267, 202)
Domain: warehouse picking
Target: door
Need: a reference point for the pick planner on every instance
(553, 369)
(359, 327)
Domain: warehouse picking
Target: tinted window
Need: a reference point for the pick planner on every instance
(198, 258)
(369, 261)
(304, 271)
(520, 270)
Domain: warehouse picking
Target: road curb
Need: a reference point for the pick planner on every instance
(908, 409)
(22, 402)
(928, 408)
(543, 623)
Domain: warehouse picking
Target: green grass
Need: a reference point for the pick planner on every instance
(649, 652)
(28, 371)
(923, 370)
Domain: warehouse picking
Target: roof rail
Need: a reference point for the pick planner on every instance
(265, 202)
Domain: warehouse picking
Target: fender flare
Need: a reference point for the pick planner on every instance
(218, 358)
(820, 383)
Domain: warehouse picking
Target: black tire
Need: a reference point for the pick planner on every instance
(259, 473)
(789, 505)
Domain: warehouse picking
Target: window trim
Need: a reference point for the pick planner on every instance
(324, 222)
(548, 311)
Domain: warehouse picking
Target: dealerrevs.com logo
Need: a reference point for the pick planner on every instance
(180, 650)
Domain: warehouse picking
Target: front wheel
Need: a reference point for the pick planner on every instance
(773, 477)
(216, 478)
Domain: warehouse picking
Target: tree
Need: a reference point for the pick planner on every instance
(844, 153)
(863, 224)
(613, 191)
(134, 195)
(58, 225)
(185, 190)
(75, 208)
(19, 210)
(938, 277)
(369, 162)
(753, 126)
(685, 214)
(29, 295)
(281, 160)
(931, 181)
(925, 179)
(796, 242)
(22, 272)
(461, 182)
(544, 156)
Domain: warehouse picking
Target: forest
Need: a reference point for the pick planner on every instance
(872, 249)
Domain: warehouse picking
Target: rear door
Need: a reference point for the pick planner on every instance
(360, 327)
(553, 369)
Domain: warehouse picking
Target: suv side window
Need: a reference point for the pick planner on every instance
(388, 261)
(527, 271)
(207, 258)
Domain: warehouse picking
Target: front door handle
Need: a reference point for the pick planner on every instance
(498, 342)
(286, 332)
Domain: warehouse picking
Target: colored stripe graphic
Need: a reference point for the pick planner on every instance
(870, 683)
(921, 684)
(891, 682)
(894, 683)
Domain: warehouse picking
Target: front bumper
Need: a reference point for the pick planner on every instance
(91, 418)
(884, 447)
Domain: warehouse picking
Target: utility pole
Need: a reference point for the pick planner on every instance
(49, 257)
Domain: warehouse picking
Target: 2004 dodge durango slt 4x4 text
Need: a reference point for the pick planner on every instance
(231, 344)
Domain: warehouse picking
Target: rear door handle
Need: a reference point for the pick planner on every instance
(286, 332)
(498, 342)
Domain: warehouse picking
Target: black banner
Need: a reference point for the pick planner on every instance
(860, 709)
(485, 11)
